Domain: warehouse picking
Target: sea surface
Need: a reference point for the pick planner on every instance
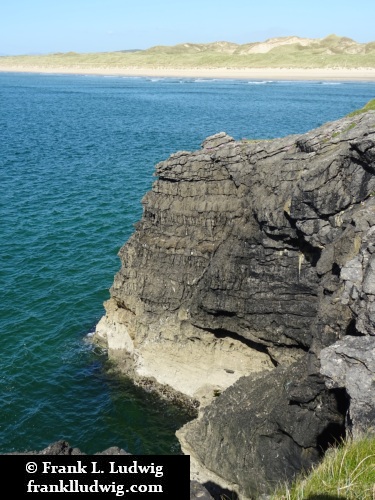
(77, 153)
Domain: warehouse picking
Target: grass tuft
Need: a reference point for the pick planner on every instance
(370, 106)
(346, 472)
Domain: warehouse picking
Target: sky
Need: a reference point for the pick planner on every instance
(48, 26)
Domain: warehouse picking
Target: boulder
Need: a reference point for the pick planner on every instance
(199, 492)
(265, 429)
(350, 364)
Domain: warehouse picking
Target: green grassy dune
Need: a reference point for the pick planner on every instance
(286, 52)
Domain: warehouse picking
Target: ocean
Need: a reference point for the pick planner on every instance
(77, 154)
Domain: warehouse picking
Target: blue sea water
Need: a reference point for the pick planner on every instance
(77, 153)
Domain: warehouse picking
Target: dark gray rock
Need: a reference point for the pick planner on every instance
(62, 447)
(350, 364)
(198, 491)
(263, 430)
(246, 235)
(358, 274)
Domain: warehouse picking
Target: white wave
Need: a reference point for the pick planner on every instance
(259, 82)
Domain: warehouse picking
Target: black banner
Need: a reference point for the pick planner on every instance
(96, 476)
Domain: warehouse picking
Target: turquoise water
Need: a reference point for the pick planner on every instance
(77, 153)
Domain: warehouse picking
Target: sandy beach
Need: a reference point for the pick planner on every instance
(360, 74)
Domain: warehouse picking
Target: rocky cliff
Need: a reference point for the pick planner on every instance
(248, 289)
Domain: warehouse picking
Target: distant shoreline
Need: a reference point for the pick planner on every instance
(361, 74)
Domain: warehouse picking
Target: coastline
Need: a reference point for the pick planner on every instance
(334, 74)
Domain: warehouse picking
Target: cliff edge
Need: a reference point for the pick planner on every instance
(247, 282)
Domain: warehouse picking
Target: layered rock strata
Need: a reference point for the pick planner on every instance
(250, 259)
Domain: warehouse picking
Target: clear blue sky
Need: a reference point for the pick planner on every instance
(44, 26)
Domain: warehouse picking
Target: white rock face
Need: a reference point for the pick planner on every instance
(194, 363)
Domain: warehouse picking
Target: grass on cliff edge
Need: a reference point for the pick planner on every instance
(370, 106)
(347, 471)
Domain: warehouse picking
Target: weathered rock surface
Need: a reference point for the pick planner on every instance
(350, 364)
(265, 428)
(198, 492)
(250, 259)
